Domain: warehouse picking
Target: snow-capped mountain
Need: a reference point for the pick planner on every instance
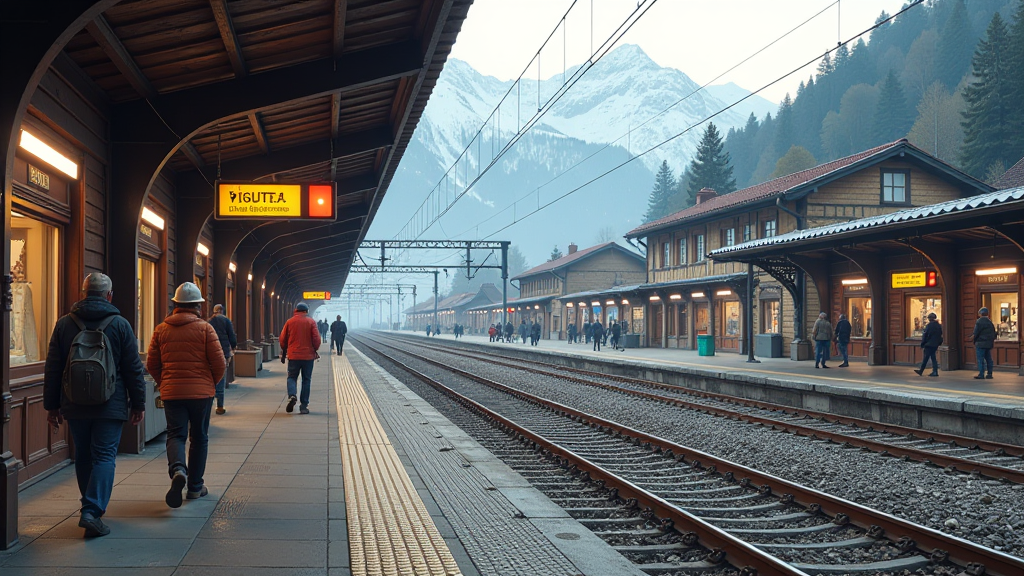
(623, 106)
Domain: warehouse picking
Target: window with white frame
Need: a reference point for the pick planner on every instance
(746, 233)
(729, 238)
(699, 245)
(666, 254)
(683, 256)
(769, 228)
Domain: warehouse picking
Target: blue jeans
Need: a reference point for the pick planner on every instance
(844, 350)
(294, 367)
(983, 355)
(339, 343)
(929, 354)
(219, 394)
(96, 444)
(188, 420)
(820, 351)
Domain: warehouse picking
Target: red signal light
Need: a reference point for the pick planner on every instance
(931, 279)
(321, 201)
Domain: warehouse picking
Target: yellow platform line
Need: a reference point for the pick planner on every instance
(390, 531)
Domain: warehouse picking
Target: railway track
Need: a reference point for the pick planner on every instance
(991, 459)
(753, 521)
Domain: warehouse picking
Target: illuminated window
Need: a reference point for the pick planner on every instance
(145, 314)
(771, 316)
(683, 256)
(637, 324)
(1002, 308)
(35, 275)
(918, 309)
(858, 312)
(769, 228)
(895, 187)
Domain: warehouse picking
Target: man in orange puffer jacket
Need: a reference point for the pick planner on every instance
(186, 360)
(300, 340)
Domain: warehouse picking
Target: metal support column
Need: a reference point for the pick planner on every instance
(504, 282)
(749, 324)
(435, 299)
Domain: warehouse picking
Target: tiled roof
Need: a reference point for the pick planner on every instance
(571, 258)
(764, 190)
(1001, 198)
(1012, 178)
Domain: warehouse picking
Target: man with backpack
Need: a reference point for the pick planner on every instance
(94, 380)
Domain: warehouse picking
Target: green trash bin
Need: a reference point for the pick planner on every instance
(705, 345)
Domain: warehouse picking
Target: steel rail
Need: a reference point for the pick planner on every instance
(906, 534)
(723, 546)
(917, 454)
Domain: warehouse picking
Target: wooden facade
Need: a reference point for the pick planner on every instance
(688, 302)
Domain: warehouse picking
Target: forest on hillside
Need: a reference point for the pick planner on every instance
(946, 74)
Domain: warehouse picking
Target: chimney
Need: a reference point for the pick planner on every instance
(573, 248)
(706, 194)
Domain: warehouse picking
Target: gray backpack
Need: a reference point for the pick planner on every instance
(90, 374)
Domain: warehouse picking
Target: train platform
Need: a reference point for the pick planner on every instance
(373, 481)
(953, 403)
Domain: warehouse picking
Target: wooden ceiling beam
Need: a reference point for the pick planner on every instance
(104, 35)
(227, 34)
(257, 129)
(340, 14)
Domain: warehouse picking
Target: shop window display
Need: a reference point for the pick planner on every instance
(918, 309)
(638, 320)
(732, 318)
(35, 253)
(770, 317)
(858, 310)
(1002, 308)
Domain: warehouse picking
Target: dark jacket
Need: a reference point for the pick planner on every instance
(932, 336)
(535, 330)
(338, 330)
(321, 327)
(843, 331)
(597, 329)
(984, 333)
(130, 387)
(616, 330)
(225, 333)
(508, 329)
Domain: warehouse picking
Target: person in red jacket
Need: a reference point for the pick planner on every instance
(300, 340)
(186, 360)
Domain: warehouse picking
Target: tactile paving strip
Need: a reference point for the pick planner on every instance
(390, 531)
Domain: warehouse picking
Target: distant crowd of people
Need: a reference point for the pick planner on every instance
(507, 333)
(595, 333)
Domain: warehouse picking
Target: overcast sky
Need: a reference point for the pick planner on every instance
(703, 38)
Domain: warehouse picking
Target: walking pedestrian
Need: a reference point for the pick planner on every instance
(492, 332)
(338, 332)
(571, 332)
(984, 338)
(931, 339)
(321, 326)
(616, 335)
(186, 360)
(586, 332)
(535, 333)
(229, 342)
(843, 331)
(95, 417)
(428, 330)
(597, 331)
(509, 331)
(298, 340)
(822, 336)
(524, 330)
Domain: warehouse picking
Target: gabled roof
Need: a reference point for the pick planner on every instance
(798, 184)
(577, 256)
(1012, 178)
(1000, 199)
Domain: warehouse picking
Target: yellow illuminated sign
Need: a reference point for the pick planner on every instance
(259, 201)
(316, 295)
(913, 279)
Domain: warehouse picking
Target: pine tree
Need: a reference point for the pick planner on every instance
(825, 67)
(892, 116)
(664, 186)
(711, 167)
(681, 198)
(784, 129)
(1015, 49)
(555, 254)
(987, 134)
(954, 49)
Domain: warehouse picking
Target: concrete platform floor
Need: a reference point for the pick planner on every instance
(1006, 389)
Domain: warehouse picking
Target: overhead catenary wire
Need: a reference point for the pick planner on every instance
(877, 25)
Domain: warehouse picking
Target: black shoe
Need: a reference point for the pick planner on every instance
(197, 495)
(178, 481)
(934, 374)
(291, 404)
(844, 365)
(979, 377)
(919, 372)
(303, 410)
(94, 527)
(816, 366)
(823, 366)
(989, 376)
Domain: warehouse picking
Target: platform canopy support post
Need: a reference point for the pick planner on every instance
(749, 328)
(504, 282)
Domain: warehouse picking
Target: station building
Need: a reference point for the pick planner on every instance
(452, 310)
(117, 120)
(688, 293)
(542, 288)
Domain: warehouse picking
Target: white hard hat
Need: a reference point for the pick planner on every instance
(188, 293)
